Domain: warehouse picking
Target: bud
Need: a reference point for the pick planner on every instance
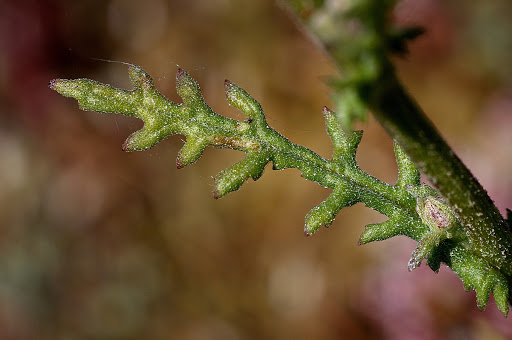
(436, 214)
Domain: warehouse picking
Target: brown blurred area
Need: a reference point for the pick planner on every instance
(96, 243)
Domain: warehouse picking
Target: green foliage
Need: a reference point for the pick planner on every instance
(360, 37)
(356, 34)
(414, 210)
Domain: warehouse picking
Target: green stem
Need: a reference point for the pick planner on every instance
(405, 122)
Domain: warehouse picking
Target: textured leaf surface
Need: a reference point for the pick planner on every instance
(414, 210)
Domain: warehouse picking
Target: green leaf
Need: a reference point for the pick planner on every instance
(413, 209)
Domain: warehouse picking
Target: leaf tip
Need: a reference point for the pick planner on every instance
(66, 87)
(231, 93)
(187, 88)
(139, 78)
(180, 75)
(179, 164)
(326, 110)
(413, 264)
(52, 84)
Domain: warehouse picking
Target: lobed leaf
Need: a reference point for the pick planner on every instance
(414, 210)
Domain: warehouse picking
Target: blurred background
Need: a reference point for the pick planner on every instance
(96, 243)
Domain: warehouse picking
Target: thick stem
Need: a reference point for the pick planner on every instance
(406, 123)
